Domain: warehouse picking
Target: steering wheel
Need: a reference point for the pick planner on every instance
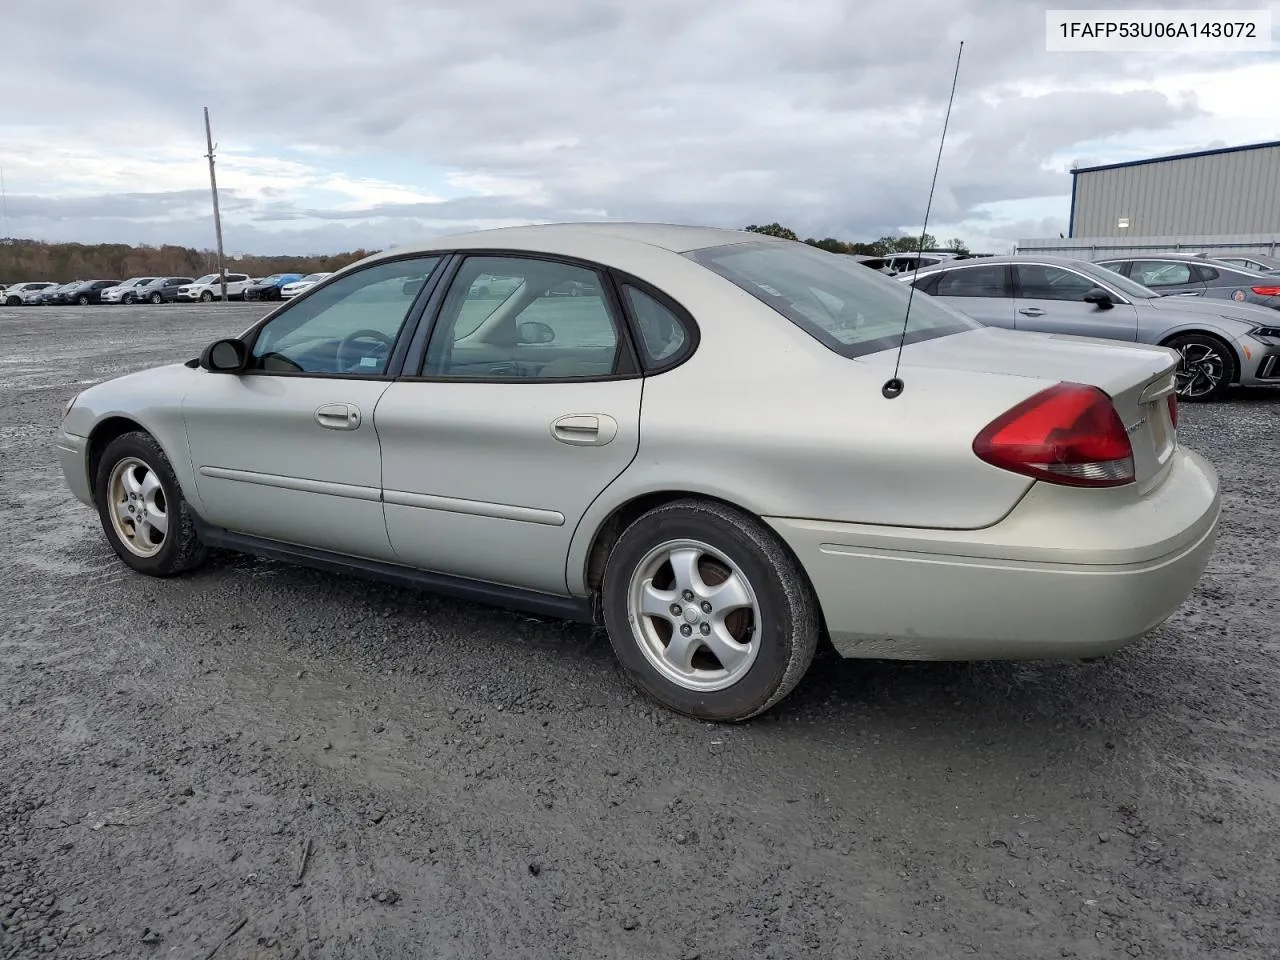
(350, 340)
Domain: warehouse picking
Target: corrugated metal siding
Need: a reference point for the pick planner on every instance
(1092, 248)
(1226, 193)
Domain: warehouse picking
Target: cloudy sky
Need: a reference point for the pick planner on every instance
(341, 125)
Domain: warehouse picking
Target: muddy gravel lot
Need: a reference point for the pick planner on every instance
(264, 761)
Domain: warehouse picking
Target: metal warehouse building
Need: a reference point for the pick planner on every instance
(1235, 190)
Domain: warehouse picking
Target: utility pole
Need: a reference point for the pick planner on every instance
(217, 217)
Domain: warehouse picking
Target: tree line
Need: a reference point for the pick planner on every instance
(876, 248)
(22, 260)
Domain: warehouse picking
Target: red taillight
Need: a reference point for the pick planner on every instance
(1266, 291)
(1173, 409)
(1068, 434)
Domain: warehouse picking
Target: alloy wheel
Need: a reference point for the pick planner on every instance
(138, 509)
(694, 615)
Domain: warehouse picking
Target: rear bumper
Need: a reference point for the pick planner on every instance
(1069, 573)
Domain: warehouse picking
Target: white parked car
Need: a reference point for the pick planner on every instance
(126, 292)
(208, 288)
(291, 290)
(26, 293)
(712, 456)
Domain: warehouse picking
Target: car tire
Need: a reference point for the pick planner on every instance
(82, 300)
(206, 296)
(1215, 363)
(769, 624)
(128, 299)
(135, 481)
(156, 298)
(13, 301)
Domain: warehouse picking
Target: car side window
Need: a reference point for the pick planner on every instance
(347, 327)
(1038, 282)
(987, 281)
(1205, 274)
(662, 334)
(1158, 273)
(523, 318)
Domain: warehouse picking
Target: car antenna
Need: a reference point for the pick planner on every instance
(893, 386)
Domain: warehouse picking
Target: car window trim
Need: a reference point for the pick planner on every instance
(693, 334)
(399, 348)
(1009, 284)
(629, 363)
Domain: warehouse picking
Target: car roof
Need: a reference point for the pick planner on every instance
(676, 238)
(1050, 260)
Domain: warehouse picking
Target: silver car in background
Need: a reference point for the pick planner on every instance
(1221, 343)
(126, 292)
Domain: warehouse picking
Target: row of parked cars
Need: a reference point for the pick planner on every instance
(240, 286)
(1221, 316)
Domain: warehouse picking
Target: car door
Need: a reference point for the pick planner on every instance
(525, 407)
(981, 291)
(1050, 299)
(288, 449)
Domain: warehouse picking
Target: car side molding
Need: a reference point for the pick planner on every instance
(575, 609)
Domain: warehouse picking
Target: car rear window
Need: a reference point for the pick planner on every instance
(835, 299)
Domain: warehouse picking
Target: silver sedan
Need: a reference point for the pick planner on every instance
(716, 451)
(1221, 343)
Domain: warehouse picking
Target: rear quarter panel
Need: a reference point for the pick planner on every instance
(765, 417)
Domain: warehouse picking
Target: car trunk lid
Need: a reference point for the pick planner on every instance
(1137, 377)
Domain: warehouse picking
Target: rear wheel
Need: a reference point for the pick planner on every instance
(708, 611)
(143, 513)
(1207, 368)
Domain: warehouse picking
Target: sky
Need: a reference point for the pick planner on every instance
(341, 126)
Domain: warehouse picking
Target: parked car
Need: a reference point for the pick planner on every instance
(291, 290)
(1016, 495)
(1220, 343)
(162, 289)
(54, 296)
(1255, 262)
(268, 288)
(1169, 273)
(209, 288)
(90, 291)
(126, 292)
(17, 294)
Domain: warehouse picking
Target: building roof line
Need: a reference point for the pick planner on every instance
(1217, 151)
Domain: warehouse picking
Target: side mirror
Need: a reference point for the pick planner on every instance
(225, 356)
(1099, 298)
(535, 332)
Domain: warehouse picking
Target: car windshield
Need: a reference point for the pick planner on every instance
(271, 279)
(208, 278)
(313, 277)
(852, 310)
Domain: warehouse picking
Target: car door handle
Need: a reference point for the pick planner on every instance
(1031, 312)
(338, 416)
(585, 429)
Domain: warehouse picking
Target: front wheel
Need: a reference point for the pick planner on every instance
(206, 296)
(156, 298)
(82, 300)
(128, 299)
(143, 513)
(1207, 368)
(708, 611)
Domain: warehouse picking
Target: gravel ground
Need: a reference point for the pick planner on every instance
(263, 761)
